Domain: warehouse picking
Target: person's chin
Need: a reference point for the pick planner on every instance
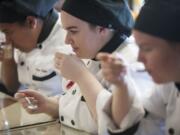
(79, 55)
(24, 50)
(76, 51)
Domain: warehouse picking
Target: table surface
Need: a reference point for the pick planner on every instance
(14, 120)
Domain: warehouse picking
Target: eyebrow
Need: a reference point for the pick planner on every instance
(4, 30)
(70, 27)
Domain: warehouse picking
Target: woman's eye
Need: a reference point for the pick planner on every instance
(73, 32)
(146, 49)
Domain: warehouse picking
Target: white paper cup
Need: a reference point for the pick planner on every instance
(7, 50)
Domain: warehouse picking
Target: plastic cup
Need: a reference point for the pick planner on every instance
(7, 49)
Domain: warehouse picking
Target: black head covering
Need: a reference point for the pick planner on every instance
(17, 10)
(113, 14)
(160, 18)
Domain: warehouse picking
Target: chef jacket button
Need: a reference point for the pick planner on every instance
(22, 63)
(178, 93)
(72, 122)
(171, 131)
(40, 46)
(88, 62)
(99, 66)
(62, 118)
(83, 99)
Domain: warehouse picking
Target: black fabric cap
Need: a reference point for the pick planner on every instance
(17, 10)
(160, 18)
(114, 14)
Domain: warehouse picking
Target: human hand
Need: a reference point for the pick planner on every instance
(70, 66)
(32, 101)
(113, 68)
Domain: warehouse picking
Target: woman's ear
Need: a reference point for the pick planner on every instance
(104, 31)
(101, 29)
(31, 22)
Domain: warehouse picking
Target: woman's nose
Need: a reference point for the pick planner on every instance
(68, 40)
(141, 57)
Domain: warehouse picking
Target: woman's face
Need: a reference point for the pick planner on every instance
(161, 58)
(86, 41)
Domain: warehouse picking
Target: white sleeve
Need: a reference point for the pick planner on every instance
(103, 99)
(149, 124)
(134, 115)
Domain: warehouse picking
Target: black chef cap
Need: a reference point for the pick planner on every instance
(17, 10)
(113, 14)
(160, 18)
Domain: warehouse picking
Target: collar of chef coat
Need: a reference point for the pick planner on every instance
(114, 43)
(48, 25)
(178, 86)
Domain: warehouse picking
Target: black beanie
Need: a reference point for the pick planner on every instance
(16, 10)
(113, 14)
(160, 18)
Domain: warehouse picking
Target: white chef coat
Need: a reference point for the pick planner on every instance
(156, 115)
(73, 110)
